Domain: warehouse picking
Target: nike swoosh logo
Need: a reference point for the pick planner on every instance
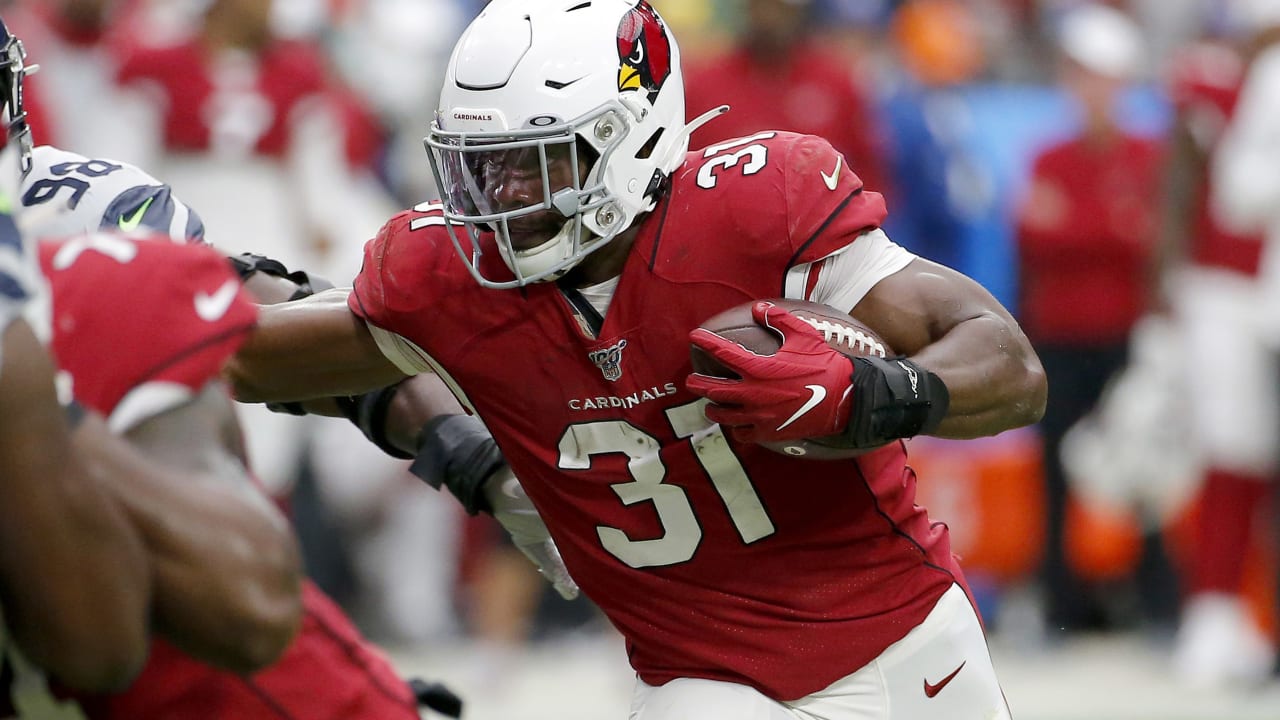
(819, 394)
(830, 180)
(131, 223)
(934, 689)
(212, 306)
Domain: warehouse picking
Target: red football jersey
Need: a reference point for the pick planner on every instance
(330, 672)
(715, 559)
(254, 103)
(140, 325)
(1205, 83)
(166, 315)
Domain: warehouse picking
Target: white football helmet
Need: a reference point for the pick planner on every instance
(538, 87)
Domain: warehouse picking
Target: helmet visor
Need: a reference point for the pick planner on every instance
(488, 180)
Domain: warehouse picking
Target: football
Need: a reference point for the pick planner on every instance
(842, 332)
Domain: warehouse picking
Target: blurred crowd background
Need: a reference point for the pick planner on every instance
(1073, 157)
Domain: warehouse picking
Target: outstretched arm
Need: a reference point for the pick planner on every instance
(311, 348)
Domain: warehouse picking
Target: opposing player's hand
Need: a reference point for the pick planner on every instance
(514, 511)
(801, 391)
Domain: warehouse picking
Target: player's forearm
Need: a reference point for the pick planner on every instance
(225, 565)
(311, 348)
(77, 579)
(993, 376)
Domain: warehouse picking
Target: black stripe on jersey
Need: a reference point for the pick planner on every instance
(266, 699)
(825, 223)
(187, 352)
(875, 501)
(357, 664)
(352, 651)
(662, 225)
(584, 309)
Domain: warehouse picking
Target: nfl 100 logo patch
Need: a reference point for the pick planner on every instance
(609, 360)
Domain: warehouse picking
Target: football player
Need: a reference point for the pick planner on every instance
(555, 289)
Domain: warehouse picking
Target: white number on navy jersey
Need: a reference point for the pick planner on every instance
(45, 189)
(719, 157)
(681, 533)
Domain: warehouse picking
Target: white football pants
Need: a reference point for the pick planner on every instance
(891, 687)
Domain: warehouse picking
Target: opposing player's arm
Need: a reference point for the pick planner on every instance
(312, 348)
(74, 579)
(226, 567)
(950, 325)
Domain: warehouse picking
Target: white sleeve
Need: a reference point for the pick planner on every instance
(1246, 183)
(846, 275)
(405, 355)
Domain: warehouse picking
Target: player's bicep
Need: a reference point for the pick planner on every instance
(924, 301)
(314, 347)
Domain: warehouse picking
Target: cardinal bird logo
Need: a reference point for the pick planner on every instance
(644, 49)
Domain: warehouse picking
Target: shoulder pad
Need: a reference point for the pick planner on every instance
(779, 190)
(79, 194)
(179, 310)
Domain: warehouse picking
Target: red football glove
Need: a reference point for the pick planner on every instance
(801, 391)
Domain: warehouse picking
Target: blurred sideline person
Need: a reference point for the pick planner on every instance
(81, 44)
(747, 583)
(1209, 268)
(1246, 195)
(254, 130)
(778, 77)
(1085, 251)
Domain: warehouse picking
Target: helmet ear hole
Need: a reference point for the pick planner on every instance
(646, 150)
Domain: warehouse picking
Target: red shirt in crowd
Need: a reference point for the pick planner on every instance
(812, 92)
(1205, 83)
(1085, 234)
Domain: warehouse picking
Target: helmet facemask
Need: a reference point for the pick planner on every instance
(12, 72)
(472, 168)
(598, 81)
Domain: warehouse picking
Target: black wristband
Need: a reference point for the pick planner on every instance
(437, 697)
(892, 398)
(287, 408)
(457, 452)
(369, 413)
(246, 264)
